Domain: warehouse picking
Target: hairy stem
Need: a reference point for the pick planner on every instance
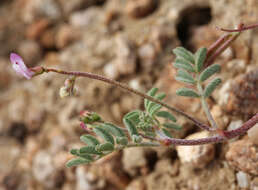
(206, 108)
(214, 139)
(126, 87)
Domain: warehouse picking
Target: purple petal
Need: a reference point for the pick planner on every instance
(20, 67)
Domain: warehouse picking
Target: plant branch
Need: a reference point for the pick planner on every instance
(214, 139)
(239, 29)
(126, 87)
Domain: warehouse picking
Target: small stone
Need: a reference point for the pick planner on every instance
(82, 182)
(111, 71)
(65, 35)
(242, 179)
(140, 8)
(35, 30)
(138, 162)
(126, 56)
(253, 134)
(236, 66)
(235, 124)
(84, 18)
(254, 184)
(196, 156)
(147, 55)
(36, 9)
(31, 52)
(243, 155)
(244, 95)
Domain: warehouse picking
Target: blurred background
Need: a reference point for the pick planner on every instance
(130, 41)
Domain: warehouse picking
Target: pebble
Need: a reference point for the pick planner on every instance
(110, 70)
(196, 156)
(253, 134)
(65, 36)
(84, 18)
(125, 56)
(243, 156)
(31, 52)
(147, 55)
(36, 9)
(242, 179)
(140, 8)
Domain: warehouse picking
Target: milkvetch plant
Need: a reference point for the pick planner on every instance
(153, 125)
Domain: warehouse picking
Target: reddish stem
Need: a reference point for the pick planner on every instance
(125, 87)
(215, 139)
(240, 29)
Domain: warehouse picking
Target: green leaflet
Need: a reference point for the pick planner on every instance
(151, 93)
(89, 150)
(130, 127)
(76, 162)
(103, 133)
(122, 140)
(114, 130)
(184, 76)
(105, 147)
(184, 53)
(133, 116)
(160, 97)
(137, 138)
(188, 92)
(166, 115)
(183, 64)
(200, 57)
(154, 109)
(209, 71)
(172, 126)
(211, 87)
(167, 133)
(89, 140)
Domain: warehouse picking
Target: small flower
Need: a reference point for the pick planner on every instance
(20, 67)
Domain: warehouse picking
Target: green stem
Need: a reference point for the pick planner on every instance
(206, 107)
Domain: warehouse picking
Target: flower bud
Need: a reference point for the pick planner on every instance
(89, 117)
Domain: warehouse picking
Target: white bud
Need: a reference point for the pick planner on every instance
(63, 92)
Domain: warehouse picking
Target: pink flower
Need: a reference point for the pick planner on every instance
(20, 67)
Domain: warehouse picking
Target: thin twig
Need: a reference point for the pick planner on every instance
(253, 26)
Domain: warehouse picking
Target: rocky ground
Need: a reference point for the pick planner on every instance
(130, 41)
